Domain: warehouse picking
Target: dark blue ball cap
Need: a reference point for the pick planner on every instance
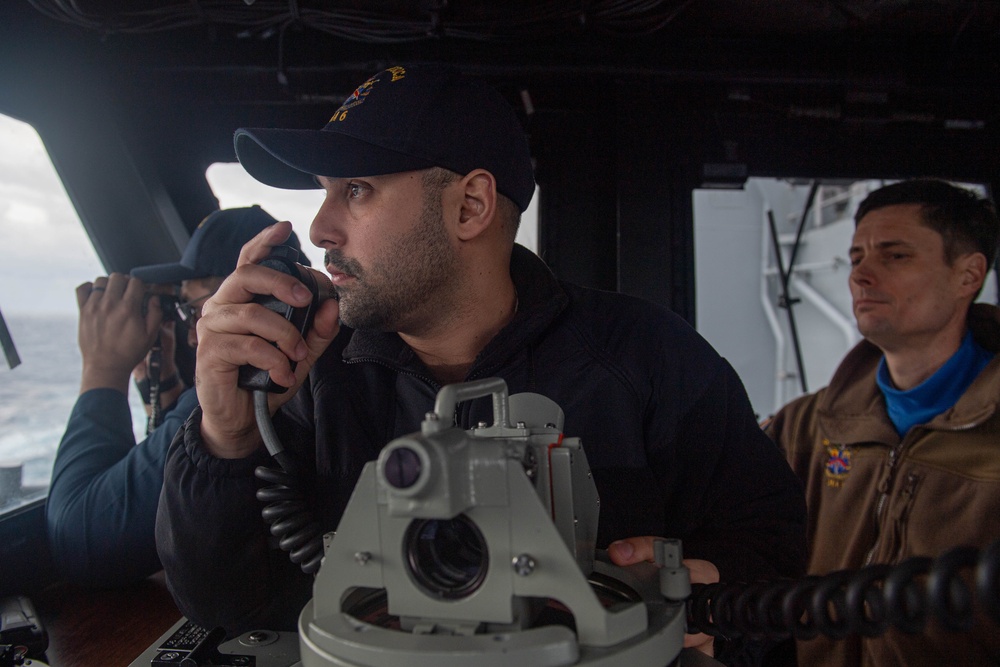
(215, 246)
(404, 118)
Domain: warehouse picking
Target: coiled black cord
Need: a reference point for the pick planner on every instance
(286, 508)
(864, 602)
(290, 518)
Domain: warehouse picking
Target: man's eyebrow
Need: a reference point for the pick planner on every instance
(894, 243)
(883, 245)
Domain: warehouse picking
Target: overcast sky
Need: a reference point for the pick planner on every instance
(44, 251)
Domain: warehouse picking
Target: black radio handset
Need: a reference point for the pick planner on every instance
(283, 259)
(286, 509)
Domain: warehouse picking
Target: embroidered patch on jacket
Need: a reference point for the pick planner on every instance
(838, 463)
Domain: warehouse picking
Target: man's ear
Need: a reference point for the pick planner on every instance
(479, 204)
(972, 272)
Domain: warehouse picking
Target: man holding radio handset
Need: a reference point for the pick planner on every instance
(426, 172)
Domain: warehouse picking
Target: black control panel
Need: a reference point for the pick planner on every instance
(188, 644)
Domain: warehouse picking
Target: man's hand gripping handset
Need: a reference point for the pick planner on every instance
(235, 331)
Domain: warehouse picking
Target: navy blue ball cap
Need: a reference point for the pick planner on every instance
(214, 248)
(404, 118)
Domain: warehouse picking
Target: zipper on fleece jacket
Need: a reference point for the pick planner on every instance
(884, 487)
(899, 517)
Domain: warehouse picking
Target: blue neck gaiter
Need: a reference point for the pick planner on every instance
(938, 392)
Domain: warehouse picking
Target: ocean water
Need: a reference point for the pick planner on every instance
(37, 396)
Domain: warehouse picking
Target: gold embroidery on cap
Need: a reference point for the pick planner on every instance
(362, 91)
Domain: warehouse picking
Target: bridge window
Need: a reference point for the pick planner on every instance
(44, 254)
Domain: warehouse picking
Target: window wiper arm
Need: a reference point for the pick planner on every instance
(7, 343)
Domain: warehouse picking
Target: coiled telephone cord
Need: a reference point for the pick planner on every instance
(865, 602)
(286, 508)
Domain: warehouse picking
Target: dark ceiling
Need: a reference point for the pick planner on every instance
(904, 58)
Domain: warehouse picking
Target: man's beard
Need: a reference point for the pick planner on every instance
(406, 273)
